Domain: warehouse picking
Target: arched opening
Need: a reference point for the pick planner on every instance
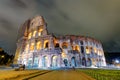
(73, 62)
(34, 33)
(44, 61)
(39, 45)
(64, 45)
(46, 44)
(65, 62)
(54, 61)
(95, 50)
(81, 42)
(76, 48)
(83, 61)
(27, 48)
(29, 35)
(93, 61)
(57, 45)
(32, 46)
(89, 62)
(30, 62)
(82, 49)
(40, 31)
(87, 50)
(64, 55)
(36, 62)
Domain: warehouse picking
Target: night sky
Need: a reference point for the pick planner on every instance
(99, 19)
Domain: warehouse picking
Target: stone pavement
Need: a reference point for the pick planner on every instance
(63, 75)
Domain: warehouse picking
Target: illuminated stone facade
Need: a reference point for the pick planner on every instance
(36, 48)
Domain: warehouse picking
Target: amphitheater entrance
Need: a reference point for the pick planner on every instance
(73, 62)
(36, 62)
(54, 61)
(30, 62)
(44, 61)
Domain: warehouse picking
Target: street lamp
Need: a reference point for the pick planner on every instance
(2, 56)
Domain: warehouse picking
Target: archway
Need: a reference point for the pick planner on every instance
(65, 62)
(64, 45)
(36, 62)
(30, 62)
(44, 61)
(73, 62)
(83, 61)
(89, 62)
(57, 45)
(54, 61)
(46, 44)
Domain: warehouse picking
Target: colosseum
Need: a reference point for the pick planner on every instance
(37, 48)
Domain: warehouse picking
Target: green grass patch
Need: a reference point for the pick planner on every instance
(102, 74)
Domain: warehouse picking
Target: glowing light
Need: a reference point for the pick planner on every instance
(29, 36)
(54, 61)
(64, 55)
(38, 45)
(65, 45)
(2, 56)
(39, 32)
(95, 50)
(76, 48)
(34, 33)
(32, 46)
(1, 49)
(117, 61)
(87, 50)
(27, 47)
(46, 44)
(99, 52)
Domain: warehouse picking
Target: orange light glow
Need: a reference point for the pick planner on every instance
(38, 45)
(32, 46)
(34, 33)
(30, 35)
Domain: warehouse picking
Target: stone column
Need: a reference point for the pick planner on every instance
(51, 44)
(42, 44)
(48, 61)
(40, 61)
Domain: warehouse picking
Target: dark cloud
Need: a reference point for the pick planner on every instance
(6, 24)
(46, 3)
(96, 18)
(17, 4)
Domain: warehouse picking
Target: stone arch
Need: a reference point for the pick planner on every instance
(34, 33)
(76, 48)
(32, 46)
(44, 61)
(83, 61)
(54, 61)
(36, 61)
(65, 61)
(57, 45)
(89, 62)
(82, 49)
(46, 44)
(39, 45)
(73, 62)
(30, 35)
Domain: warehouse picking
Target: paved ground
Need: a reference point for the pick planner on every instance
(43, 75)
(63, 75)
(8, 74)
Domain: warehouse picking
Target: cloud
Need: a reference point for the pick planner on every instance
(12, 14)
(96, 18)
